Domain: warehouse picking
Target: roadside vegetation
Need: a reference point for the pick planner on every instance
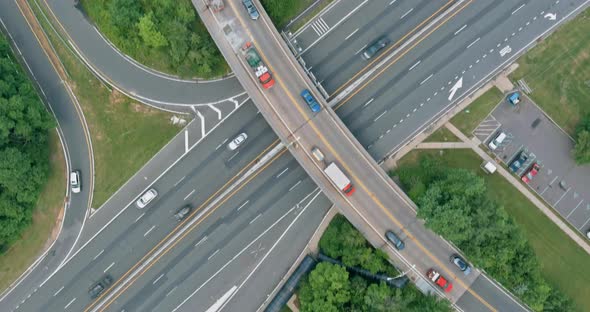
(498, 228)
(45, 219)
(557, 70)
(469, 118)
(582, 137)
(121, 130)
(24, 148)
(166, 35)
(281, 12)
(330, 287)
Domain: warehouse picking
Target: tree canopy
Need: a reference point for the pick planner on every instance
(24, 149)
(582, 147)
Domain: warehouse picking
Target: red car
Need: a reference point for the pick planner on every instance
(439, 280)
(531, 174)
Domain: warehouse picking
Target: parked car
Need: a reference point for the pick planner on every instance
(497, 141)
(182, 213)
(588, 234)
(461, 264)
(531, 173)
(439, 280)
(75, 181)
(97, 288)
(310, 100)
(375, 47)
(251, 8)
(519, 161)
(237, 141)
(146, 198)
(395, 240)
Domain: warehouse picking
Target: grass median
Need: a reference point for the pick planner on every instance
(563, 262)
(442, 134)
(46, 216)
(125, 134)
(558, 71)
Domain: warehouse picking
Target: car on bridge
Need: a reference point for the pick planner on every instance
(461, 264)
(439, 280)
(251, 8)
(310, 100)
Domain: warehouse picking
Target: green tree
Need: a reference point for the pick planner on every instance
(125, 14)
(582, 147)
(148, 32)
(327, 289)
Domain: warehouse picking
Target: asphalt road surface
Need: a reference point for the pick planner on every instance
(76, 148)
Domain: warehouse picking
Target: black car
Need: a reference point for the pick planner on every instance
(395, 240)
(461, 263)
(375, 47)
(97, 288)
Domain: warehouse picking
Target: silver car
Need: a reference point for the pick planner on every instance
(182, 213)
(146, 198)
(235, 143)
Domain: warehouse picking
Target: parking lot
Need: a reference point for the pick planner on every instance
(560, 182)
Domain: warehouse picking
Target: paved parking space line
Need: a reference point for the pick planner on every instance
(552, 181)
(584, 225)
(562, 196)
(574, 209)
(546, 188)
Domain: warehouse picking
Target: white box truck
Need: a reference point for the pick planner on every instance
(339, 178)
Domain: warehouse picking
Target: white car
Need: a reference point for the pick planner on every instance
(588, 234)
(75, 181)
(146, 198)
(235, 143)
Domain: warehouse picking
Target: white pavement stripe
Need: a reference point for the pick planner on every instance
(405, 14)
(281, 173)
(351, 34)
(57, 292)
(217, 110)
(140, 216)
(203, 132)
(380, 116)
(220, 145)
(186, 141)
(369, 102)
(244, 204)
(474, 42)
(232, 156)
(189, 194)
(414, 66)
(98, 255)
(584, 225)
(562, 196)
(157, 279)
(148, 231)
(175, 184)
(294, 186)
(392, 2)
(550, 183)
(574, 209)
(315, 29)
(219, 303)
(359, 51)
(173, 289)
(427, 78)
(460, 29)
(69, 303)
(201, 241)
(258, 216)
(520, 7)
(213, 254)
(110, 266)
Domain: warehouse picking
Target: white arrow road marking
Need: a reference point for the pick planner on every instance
(505, 50)
(455, 87)
(219, 303)
(551, 16)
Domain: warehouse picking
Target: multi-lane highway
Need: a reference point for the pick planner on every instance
(74, 138)
(435, 46)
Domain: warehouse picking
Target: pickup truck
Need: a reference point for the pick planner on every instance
(439, 280)
(260, 69)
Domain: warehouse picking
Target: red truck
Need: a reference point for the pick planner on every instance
(262, 72)
(439, 280)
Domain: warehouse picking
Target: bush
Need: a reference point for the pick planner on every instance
(24, 147)
(582, 148)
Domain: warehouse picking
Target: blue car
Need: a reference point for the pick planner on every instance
(252, 11)
(310, 100)
(518, 162)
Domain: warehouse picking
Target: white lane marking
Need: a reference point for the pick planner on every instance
(583, 225)
(414, 66)
(69, 303)
(294, 186)
(351, 34)
(374, 120)
(552, 181)
(148, 231)
(427, 78)
(57, 292)
(562, 196)
(357, 52)
(157, 279)
(98, 255)
(175, 184)
(474, 42)
(213, 254)
(140, 216)
(574, 209)
(189, 194)
(281, 173)
(224, 141)
(392, 2)
(234, 155)
(217, 110)
(219, 303)
(369, 102)
(244, 204)
(110, 266)
(405, 14)
(258, 216)
(203, 132)
(173, 289)
(520, 7)
(460, 29)
(185, 141)
(201, 241)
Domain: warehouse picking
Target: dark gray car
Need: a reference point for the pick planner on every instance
(182, 213)
(461, 263)
(395, 240)
(97, 288)
(375, 47)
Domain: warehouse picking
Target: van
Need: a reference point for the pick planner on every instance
(497, 141)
